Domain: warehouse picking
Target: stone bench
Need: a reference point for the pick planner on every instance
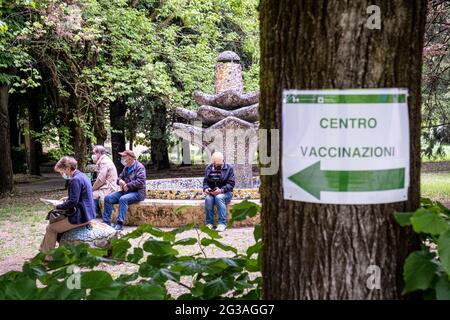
(174, 213)
(95, 234)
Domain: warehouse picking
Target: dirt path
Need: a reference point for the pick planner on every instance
(50, 182)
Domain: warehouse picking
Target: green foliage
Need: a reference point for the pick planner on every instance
(428, 270)
(73, 271)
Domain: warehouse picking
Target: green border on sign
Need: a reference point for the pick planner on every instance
(345, 98)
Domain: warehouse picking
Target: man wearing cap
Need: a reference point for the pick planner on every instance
(132, 183)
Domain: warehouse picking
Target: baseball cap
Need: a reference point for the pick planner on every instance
(128, 153)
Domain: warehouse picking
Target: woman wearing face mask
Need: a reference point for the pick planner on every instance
(79, 200)
(106, 182)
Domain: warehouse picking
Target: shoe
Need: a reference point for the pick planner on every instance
(221, 228)
(209, 226)
(118, 226)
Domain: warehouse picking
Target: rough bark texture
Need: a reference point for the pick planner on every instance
(13, 123)
(316, 251)
(78, 137)
(35, 123)
(117, 112)
(6, 171)
(99, 125)
(159, 146)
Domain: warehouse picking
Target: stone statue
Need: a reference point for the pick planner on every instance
(226, 121)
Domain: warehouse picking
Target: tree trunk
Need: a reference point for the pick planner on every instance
(6, 171)
(117, 112)
(99, 125)
(159, 147)
(317, 251)
(13, 123)
(35, 123)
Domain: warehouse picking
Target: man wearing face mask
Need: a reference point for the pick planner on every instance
(218, 187)
(132, 183)
(106, 182)
(79, 202)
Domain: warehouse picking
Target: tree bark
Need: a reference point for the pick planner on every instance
(6, 170)
(117, 112)
(35, 123)
(159, 147)
(14, 131)
(99, 125)
(318, 251)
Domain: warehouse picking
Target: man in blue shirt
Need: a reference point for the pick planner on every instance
(218, 187)
(132, 182)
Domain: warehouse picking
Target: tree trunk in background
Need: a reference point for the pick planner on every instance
(35, 123)
(117, 112)
(314, 251)
(78, 138)
(159, 145)
(99, 126)
(6, 171)
(14, 132)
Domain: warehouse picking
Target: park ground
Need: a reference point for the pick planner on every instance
(22, 216)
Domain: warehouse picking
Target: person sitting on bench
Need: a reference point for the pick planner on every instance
(79, 201)
(132, 183)
(218, 187)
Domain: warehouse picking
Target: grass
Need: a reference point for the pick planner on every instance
(436, 186)
(22, 223)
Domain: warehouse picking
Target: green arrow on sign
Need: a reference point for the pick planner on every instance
(313, 180)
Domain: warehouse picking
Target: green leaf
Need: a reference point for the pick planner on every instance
(143, 291)
(253, 265)
(443, 288)
(109, 293)
(257, 233)
(427, 221)
(186, 242)
(164, 274)
(21, 288)
(95, 279)
(243, 210)
(212, 233)
(418, 271)
(188, 267)
(198, 289)
(443, 245)
(159, 261)
(216, 288)
(426, 202)
(146, 228)
(403, 218)
(207, 242)
(160, 248)
(120, 248)
(256, 248)
(136, 256)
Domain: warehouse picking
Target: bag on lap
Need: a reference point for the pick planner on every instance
(56, 215)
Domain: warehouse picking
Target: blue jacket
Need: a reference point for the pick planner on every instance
(80, 198)
(226, 177)
(135, 180)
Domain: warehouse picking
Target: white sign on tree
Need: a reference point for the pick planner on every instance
(345, 146)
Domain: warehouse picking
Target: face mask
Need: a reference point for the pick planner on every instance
(123, 162)
(66, 177)
(94, 157)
